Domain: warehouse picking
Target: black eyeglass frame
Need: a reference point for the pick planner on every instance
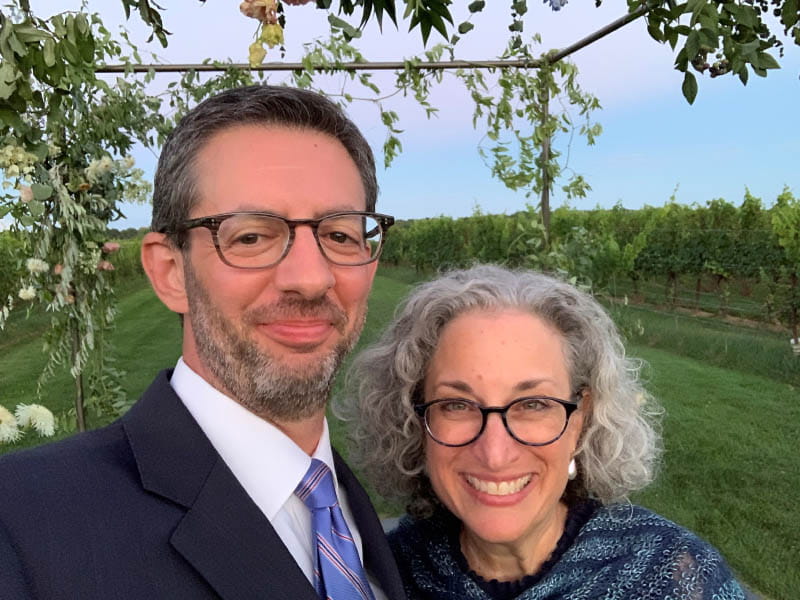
(213, 223)
(570, 406)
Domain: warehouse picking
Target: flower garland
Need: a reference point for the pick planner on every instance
(270, 31)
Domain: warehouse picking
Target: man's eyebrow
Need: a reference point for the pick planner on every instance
(252, 208)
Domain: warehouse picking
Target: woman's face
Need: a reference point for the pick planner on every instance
(494, 358)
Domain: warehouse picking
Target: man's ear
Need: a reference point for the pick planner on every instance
(163, 263)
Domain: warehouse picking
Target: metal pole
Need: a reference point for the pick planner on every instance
(390, 65)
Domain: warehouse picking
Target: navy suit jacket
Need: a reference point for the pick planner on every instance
(146, 508)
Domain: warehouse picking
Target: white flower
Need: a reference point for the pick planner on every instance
(9, 431)
(106, 164)
(128, 162)
(97, 168)
(36, 265)
(27, 293)
(38, 417)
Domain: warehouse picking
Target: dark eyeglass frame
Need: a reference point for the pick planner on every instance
(213, 223)
(570, 406)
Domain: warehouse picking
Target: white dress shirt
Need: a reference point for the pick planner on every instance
(266, 462)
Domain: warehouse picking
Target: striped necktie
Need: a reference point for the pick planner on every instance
(338, 574)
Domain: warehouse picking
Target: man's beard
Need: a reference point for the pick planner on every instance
(258, 380)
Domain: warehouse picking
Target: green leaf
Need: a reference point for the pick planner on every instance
(41, 191)
(40, 150)
(689, 87)
(465, 27)
(11, 118)
(744, 76)
(655, 33)
(6, 89)
(17, 46)
(29, 34)
(767, 61)
(476, 6)
(344, 26)
(790, 13)
(692, 45)
(49, 52)
(708, 37)
(36, 208)
(516, 26)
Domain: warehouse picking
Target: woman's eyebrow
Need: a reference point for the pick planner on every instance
(531, 383)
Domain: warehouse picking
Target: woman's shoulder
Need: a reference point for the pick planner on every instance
(636, 521)
(626, 537)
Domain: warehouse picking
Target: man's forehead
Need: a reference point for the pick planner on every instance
(289, 171)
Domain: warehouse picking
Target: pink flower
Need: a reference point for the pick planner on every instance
(58, 269)
(110, 247)
(265, 11)
(104, 265)
(25, 193)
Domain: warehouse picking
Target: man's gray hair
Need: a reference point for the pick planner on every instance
(175, 187)
(619, 446)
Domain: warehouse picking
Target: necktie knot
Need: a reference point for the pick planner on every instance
(316, 490)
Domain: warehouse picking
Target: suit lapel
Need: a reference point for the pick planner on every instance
(231, 543)
(223, 534)
(378, 558)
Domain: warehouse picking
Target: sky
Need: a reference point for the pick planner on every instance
(654, 144)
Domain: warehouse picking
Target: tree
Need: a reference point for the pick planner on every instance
(786, 222)
(713, 37)
(64, 139)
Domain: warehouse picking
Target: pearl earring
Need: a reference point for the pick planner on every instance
(572, 470)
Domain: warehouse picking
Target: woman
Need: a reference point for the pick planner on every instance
(500, 407)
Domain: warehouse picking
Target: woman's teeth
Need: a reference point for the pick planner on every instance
(503, 488)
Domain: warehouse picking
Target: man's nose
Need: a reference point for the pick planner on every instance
(304, 269)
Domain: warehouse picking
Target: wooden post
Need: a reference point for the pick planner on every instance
(79, 394)
(545, 158)
(794, 306)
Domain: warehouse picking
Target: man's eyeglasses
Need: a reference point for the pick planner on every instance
(533, 421)
(256, 240)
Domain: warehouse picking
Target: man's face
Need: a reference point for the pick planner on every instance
(273, 338)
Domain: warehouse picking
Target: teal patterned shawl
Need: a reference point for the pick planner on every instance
(621, 552)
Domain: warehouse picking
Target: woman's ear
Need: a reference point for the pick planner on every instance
(582, 417)
(163, 263)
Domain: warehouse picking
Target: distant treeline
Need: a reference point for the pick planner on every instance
(718, 242)
(126, 234)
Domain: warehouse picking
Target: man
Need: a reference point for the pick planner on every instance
(265, 242)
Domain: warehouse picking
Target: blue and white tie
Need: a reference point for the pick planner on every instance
(338, 574)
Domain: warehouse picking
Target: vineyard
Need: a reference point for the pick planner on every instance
(736, 261)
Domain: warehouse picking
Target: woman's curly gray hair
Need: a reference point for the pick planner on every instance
(619, 447)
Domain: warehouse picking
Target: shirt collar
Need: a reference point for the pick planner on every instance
(265, 461)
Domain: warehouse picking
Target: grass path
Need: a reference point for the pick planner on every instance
(731, 470)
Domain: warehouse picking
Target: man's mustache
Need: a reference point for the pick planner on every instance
(292, 307)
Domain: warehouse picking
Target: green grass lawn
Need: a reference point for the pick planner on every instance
(731, 471)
